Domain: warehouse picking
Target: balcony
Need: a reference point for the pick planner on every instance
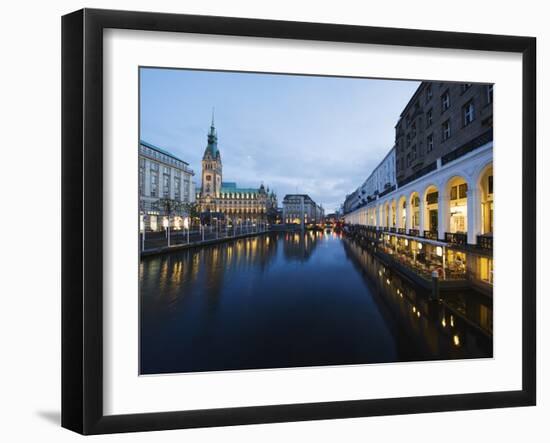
(485, 242)
(420, 173)
(393, 229)
(431, 235)
(386, 191)
(414, 232)
(481, 140)
(456, 238)
(401, 231)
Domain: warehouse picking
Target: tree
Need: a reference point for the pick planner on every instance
(169, 206)
(191, 209)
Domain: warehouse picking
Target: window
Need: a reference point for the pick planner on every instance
(154, 183)
(177, 188)
(468, 113)
(432, 197)
(446, 130)
(490, 184)
(409, 139)
(489, 91)
(459, 191)
(429, 118)
(166, 184)
(464, 87)
(413, 154)
(445, 101)
(141, 175)
(208, 177)
(430, 143)
(429, 93)
(413, 135)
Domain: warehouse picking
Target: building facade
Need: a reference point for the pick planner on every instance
(227, 201)
(439, 118)
(298, 208)
(444, 174)
(379, 182)
(166, 188)
(382, 178)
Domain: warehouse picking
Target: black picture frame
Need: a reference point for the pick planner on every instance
(82, 231)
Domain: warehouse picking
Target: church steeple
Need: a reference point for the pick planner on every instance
(211, 165)
(212, 146)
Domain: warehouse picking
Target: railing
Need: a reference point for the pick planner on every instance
(484, 138)
(426, 170)
(196, 235)
(485, 241)
(456, 238)
(414, 232)
(431, 235)
(387, 191)
(401, 231)
(393, 229)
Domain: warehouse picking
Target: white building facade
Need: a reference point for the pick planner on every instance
(382, 179)
(298, 208)
(166, 188)
(455, 198)
(452, 206)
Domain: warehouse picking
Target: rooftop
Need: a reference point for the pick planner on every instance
(162, 151)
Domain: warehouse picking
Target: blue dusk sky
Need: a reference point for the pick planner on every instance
(320, 136)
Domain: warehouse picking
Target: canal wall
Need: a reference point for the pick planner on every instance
(184, 246)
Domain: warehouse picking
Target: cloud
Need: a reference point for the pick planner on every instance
(316, 135)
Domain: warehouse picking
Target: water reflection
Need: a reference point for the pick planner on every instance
(457, 326)
(295, 299)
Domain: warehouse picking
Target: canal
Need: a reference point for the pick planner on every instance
(296, 299)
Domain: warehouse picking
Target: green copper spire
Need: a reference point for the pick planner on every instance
(212, 146)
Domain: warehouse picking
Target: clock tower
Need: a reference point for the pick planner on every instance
(211, 169)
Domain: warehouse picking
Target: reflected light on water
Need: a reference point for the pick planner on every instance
(285, 300)
(456, 340)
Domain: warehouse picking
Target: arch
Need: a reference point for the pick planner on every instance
(386, 214)
(456, 191)
(414, 205)
(402, 212)
(430, 198)
(484, 182)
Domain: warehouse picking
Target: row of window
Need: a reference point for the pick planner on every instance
(445, 103)
(468, 116)
(152, 153)
(238, 202)
(457, 192)
(166, 184)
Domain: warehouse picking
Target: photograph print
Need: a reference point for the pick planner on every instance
(304, 220)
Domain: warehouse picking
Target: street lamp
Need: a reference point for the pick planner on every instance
(186, 226)
(142, 229)
(166, 224)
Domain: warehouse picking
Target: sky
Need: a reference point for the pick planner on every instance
(313, 135)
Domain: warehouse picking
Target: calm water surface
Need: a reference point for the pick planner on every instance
(293, 299)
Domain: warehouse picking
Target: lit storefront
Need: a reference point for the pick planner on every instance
(426, 256)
